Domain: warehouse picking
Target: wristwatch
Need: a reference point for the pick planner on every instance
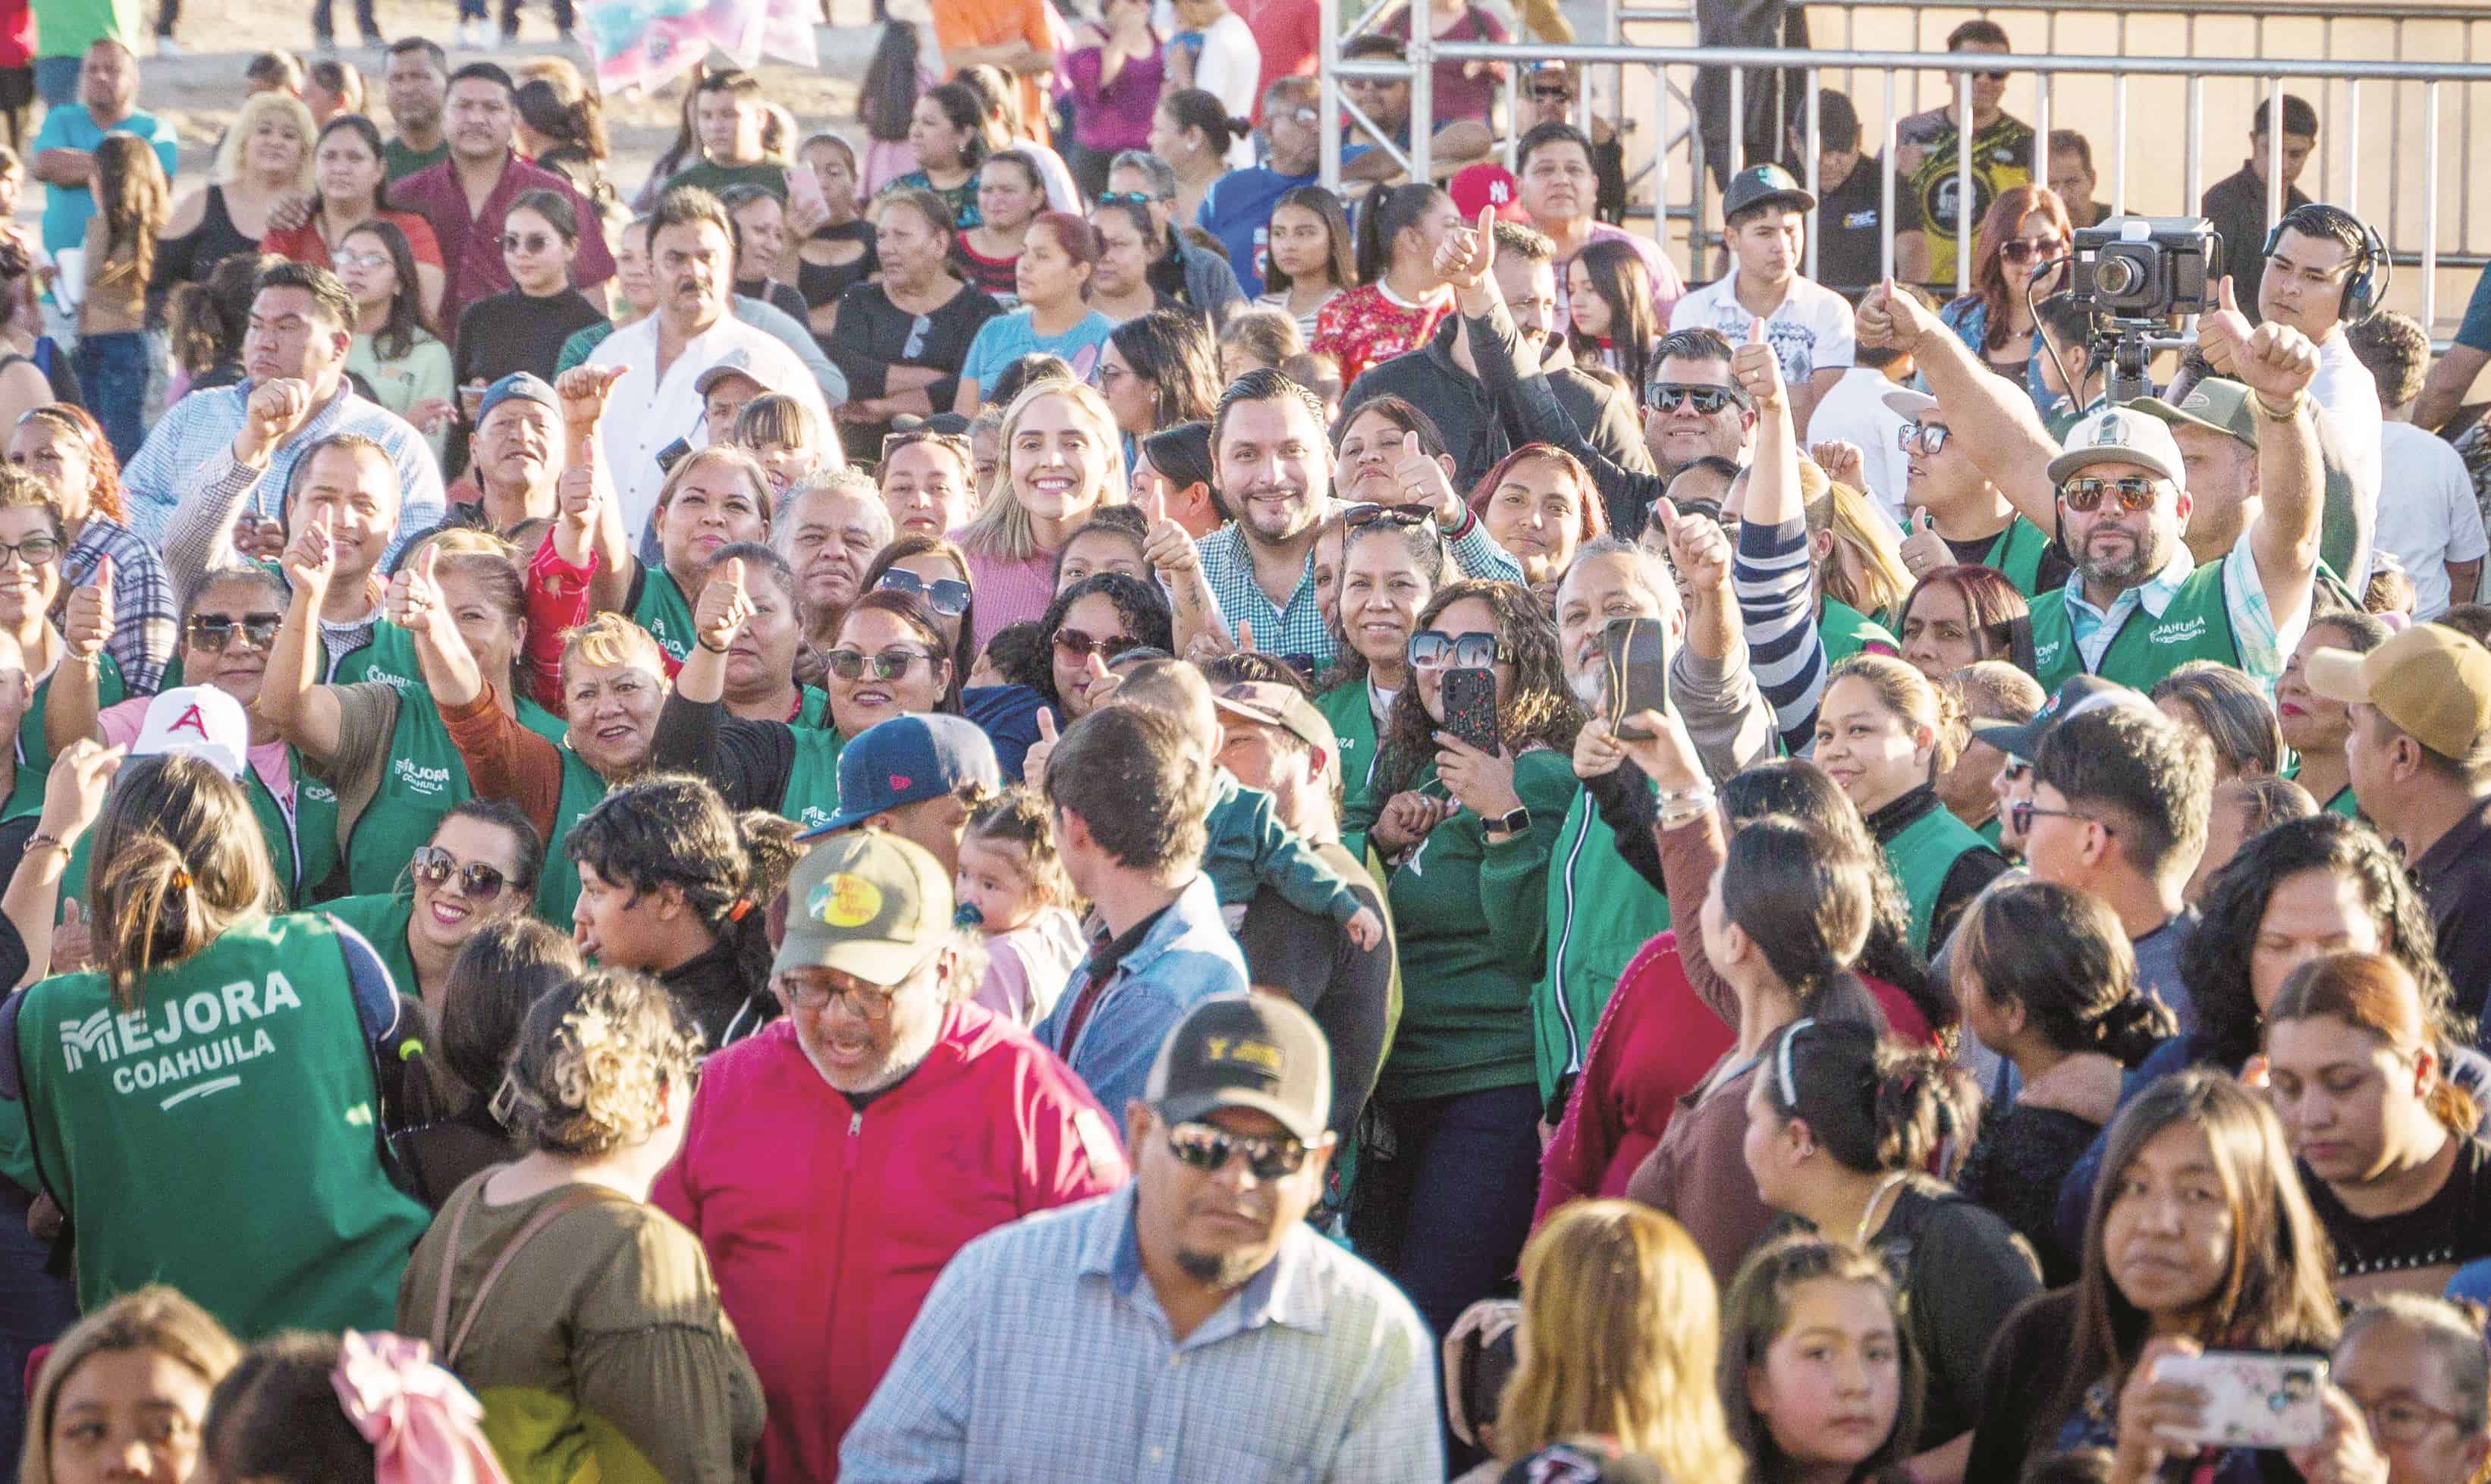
(1512, 822)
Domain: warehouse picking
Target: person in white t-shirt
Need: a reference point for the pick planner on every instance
(1854, 411)
(2319, 252)
(1227, 63)
(2428, 519)
(1765, 219)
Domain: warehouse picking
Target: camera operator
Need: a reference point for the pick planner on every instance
(2116, 492)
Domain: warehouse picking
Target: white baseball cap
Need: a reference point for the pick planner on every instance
(2120, 435)
(200, 720)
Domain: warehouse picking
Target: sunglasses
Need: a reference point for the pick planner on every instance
(1782, 1060)
(432, 865)
(917, 330)
(1671, 395)
(1430, 649)
(1126, 198)
(2136, 492)
(353, 259)
(1553, 95)
(1922, 437)
(34, 551)
(1209, 1148)
(1081, 646)
(526, 242)
(947, 595)
(2021, 250)
(213, 631)
(2024, 811)
(887, 665)
(1368, 513)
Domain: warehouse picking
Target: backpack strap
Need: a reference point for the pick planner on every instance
(446, 1342)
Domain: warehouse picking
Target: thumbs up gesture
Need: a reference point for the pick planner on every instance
(1033, 763)
(1756, 370)
(1924, 551)
(87, 622)
(1422, 481)
(2222, 335)
(1468, 255)
(726, 607)
(583, 391)
(1699, 549)
(413, 600)
(1890, 319)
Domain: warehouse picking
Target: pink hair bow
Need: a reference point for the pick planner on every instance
(422, 1423)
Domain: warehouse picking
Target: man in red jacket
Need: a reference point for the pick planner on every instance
(836, 1161)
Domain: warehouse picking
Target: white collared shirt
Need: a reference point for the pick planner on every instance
(645, 414)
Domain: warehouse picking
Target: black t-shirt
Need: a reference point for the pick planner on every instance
(781, 297)
(514, 332)
(1963, 1271)
(1850, 248)
(2055, 567)
(875, 335)
(2452, 1228)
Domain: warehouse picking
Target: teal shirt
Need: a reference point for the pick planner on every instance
(1251, 849)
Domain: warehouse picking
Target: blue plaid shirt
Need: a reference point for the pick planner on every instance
(195, 443)
(1299, 628)
(1042, 1354)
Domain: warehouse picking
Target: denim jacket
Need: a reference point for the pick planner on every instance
(1187, 956)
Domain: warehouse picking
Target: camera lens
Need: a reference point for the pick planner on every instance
(2117, 275)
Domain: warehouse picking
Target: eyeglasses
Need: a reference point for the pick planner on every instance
(2019, 250)
(1670, 395)
(526, 242)
(213, 631)
(34, 551)
(945, 596)
(1368, 513)
(1927, 438)
(1559, 95)
(1209, 1148)
(2136, 492)
(1081, 646)
(887, 665)
(1431, 649)
(1782, 1060)
(2024, 811)
(869, 1000)
(347, 258)
(2402, 1421)
(432, 865)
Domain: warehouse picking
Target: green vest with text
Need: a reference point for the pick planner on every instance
(583, 788)
(303, 849)
(1920, 855)
(1353, 731)
(2196, 624)
(813, 793)
(663, 611)
(1601, 913)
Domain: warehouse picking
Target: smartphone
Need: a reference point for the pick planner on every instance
(2253, 1399)
(804, 189)
(1470, 708)
(1635, 660)
(672, 454)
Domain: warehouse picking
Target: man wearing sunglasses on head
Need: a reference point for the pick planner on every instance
(1299, 1360)
(2139, 603)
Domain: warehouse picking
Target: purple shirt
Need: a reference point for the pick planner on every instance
(471, 246)
(1117, 117)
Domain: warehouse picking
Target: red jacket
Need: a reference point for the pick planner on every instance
(826, 1226)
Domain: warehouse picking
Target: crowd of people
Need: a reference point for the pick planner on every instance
(1113, 816)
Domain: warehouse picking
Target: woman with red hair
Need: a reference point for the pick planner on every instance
(2018, 259)
(1957, 615)
(1540, 506)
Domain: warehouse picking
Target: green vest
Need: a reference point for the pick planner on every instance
(304, 849)
(1846, 631)
(35, 755)
(387, 655)
(1993, 833)
(2196, 626)
(1601, 913)
(424, 781)
(1353, 728)
(2344, 803)
(813, 793)
(583, 788)
(221, 1136)
(2017, 552)
(813, 708)
(1920, 855)
(383, 921)
(663, 612)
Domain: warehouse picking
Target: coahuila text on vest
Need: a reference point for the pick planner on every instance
(171, 1044)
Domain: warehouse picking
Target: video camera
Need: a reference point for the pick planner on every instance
(2135, 276)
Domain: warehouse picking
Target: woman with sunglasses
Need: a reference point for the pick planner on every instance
(1468, 831)
(62, 445)
(902, 339)
(1061, 458)
(408, 369)
(1388, 571)
(1157, 371)
(2017, 261)
(1084, 629)
(481, 865)
(350, 172)
(523, 328)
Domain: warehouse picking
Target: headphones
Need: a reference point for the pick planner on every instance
(2367, 284)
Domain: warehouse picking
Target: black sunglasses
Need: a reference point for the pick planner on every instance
(1081, 646)
(1208, 1147)
(1367, 513)
(1929, 438)
(1668, 395)
(947, 595)
(432, 866)
(1430, 649)
(2024, 811)
(2136, 493)
(888, 665)
(213, 631)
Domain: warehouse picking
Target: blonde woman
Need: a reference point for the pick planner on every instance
(585, 1318)
(1859, 556)
(1620, 1338)
(263, 158)
(1060, 457)
(134, 1374)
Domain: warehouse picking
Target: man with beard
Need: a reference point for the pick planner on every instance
(1442, 380)
(656, 400)
(834, 1161)
(1190, 1326)
(419, 87)
(467, 196)
(2117, 492)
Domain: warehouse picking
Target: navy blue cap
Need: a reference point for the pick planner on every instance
(2077, 695)
(524, 386)
(906, 760)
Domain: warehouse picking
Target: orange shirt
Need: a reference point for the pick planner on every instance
(959, 23)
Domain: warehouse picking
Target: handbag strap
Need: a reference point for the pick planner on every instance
(447, 1343)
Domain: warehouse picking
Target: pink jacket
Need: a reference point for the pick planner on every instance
(826, 1226)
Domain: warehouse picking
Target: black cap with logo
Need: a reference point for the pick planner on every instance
(1252, 1051)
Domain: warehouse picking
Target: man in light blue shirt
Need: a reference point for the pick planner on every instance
(1191, 1326)
(64, 148)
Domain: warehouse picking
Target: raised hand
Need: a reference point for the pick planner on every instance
(87, 621)
(1842, 462)
(1033, 763)
(1422, 481)
(2277, 364)
(1169, 548)
(276, 409)
(725, 606)
(414, 600)
(72, 940)
(1665, 753)
(2223, 335)
(311, 561)
(74, 789)
(1699, 549)
(1596, 753)
(1468, 255)
(1890, 319)
(583, 391)
(1924, 551)
(1756, 370)
(1482, 781)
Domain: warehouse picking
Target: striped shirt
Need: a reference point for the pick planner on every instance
(1042, 1354)
(1770, 574)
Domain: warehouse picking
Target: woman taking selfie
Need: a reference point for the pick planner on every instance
(840, 251)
